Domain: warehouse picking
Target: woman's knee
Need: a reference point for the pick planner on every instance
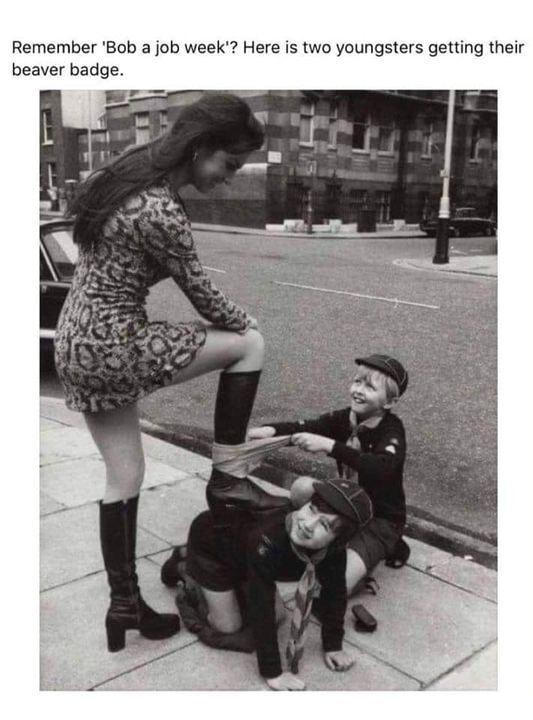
(254, 344)
(127, 472)
(251, 351)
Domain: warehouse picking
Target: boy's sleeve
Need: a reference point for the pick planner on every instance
(261, 592)
(333, 599)
(332, 425)
(164, 231)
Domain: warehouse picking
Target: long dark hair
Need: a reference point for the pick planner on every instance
(217, 121)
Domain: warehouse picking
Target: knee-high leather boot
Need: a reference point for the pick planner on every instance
(127, 610)
(226, 494)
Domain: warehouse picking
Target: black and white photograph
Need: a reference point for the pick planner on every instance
(268, 388)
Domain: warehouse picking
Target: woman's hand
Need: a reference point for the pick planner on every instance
(285, 681)
(313, 443)
(338, 660)
(260, 433)
(253, 324)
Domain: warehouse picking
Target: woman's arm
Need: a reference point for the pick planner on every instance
(164, 231)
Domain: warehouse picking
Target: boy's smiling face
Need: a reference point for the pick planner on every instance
(312, 529)
(368, 393)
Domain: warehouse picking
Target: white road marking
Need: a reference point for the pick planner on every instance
(394, 301)
(214, 269)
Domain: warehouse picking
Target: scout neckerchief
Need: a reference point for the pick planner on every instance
(303, 599)
(354, 441)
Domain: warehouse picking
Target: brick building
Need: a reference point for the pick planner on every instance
(366, 155)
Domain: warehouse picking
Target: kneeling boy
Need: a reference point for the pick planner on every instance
(285, 546)
(368, 442)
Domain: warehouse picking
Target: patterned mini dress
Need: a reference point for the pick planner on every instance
(107, 353)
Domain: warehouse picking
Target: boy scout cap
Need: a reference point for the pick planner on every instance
(347, 498)
(388, 365)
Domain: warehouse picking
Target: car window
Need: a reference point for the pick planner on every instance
(62, 251)
(44, 270)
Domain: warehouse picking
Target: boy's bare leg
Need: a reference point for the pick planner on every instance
(223, 613)
(302, 490)
(281, 610)
(355, 570)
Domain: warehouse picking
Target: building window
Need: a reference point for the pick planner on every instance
(163, 121)
(333, 124)
(48, 137)
(361, 131)
(427, 138)
(51, 174)
(474, 142)
(307, 114)
(142, 128)
(386, 138)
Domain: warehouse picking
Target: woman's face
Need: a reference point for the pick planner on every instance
(213, 168)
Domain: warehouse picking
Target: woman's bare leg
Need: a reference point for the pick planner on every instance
(226, 350)
(118, 438)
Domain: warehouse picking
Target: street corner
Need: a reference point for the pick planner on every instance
(478, 265)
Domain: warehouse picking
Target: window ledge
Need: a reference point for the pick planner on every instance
(307, 144)
(360, 151)
(386, 153)
(48, 142)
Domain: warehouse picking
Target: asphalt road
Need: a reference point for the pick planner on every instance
(442, 326)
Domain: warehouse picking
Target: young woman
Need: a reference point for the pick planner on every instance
(132, 230)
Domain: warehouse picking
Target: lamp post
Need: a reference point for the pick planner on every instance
(441, 246)
(309, 208)
(89, 132)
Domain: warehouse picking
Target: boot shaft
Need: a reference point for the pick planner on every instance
(118, 533)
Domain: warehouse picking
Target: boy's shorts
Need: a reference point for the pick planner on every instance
(208, 557)
(376, 541)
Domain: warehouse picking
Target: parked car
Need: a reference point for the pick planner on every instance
(58, 256)
(464, 221)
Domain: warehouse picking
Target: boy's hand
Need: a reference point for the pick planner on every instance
(313, 443)
(339, 660)
(260, 433)
(285, 681)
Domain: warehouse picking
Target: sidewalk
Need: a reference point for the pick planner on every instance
(347, 235)
(484, 265)
(437, 617)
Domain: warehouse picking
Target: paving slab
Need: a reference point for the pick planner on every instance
(470, 576)
(169, 511)
(424, 627)
(423, 556)
(47, 424)
(55, 409)
(223, 670)
(478, 673)
(48, 505)
(74, 653)
(70, 545)
(66, 443)
(82, 480)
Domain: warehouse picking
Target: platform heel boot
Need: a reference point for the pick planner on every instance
(228, 495)
(127, 610)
